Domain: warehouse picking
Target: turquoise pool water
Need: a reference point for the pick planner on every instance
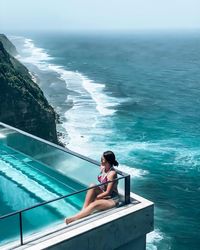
(25, 182)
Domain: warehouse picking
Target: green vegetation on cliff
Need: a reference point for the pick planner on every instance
(22, 103)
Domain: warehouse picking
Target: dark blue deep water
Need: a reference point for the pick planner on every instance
(138, 95)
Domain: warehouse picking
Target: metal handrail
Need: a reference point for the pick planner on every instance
(58, 198)
(127, 201)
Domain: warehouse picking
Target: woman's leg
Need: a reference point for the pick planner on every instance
(99, 205)
(91, 195)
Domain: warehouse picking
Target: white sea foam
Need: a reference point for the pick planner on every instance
(133, 172)
(34, 55)
(105, 104)
(153, 238)
(188, 158)
(162, 146)
(157, 147)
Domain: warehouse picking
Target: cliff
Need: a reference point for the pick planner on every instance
(9, 47)
(22, 103)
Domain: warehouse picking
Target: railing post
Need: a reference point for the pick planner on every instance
(20, 228)
(127, 189)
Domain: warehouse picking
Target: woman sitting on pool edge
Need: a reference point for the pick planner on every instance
(102, 197)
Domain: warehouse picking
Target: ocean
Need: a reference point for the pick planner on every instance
(137, 94)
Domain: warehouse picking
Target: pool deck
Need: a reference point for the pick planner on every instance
(119, 228)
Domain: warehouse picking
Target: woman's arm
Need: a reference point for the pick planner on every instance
(111, 176)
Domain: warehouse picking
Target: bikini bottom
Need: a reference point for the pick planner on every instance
(116, 198)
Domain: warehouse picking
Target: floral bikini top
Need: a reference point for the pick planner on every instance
(102, 178)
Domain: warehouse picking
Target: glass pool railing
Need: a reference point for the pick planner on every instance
(41, 183)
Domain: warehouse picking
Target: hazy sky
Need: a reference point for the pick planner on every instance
(99, 14)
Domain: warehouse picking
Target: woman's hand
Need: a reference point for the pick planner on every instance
(104, 197)
(101, 196)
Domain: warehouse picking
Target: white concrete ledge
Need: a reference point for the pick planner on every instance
(119, 228)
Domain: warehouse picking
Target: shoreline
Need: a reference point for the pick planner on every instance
(35, 72)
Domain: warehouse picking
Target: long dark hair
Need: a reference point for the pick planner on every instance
(110, 158)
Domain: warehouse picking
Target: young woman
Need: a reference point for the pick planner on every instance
(102, 197)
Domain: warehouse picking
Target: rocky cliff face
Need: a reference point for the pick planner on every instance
(9, 47)
(22, 103)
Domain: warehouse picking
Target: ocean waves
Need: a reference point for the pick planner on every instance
(105, 104)
(90, 107)
(143, 110)
(29, 53)
(133, 172)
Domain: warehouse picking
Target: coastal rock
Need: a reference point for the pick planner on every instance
(9, 47)
(22, 103)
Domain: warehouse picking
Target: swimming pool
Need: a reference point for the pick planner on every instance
(32, 172)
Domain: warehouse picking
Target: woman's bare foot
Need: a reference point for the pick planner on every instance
(69, 220)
